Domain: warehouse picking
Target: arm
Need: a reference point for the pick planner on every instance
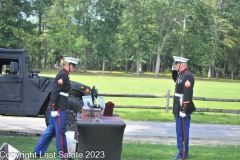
(174, 75)
(59, 83)
(188, 84)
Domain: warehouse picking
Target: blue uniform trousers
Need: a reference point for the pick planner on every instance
(180, 134)
(56, 128)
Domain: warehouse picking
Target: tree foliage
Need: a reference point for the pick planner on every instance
(14, 23)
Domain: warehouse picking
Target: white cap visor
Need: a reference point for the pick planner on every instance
(180, 59)
(71, 60)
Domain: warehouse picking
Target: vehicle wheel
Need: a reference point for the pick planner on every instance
(75, 105)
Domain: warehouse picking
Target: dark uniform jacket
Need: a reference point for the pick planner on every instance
(61, 84)
(184, 87)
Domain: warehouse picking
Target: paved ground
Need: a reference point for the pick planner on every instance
(154, 132)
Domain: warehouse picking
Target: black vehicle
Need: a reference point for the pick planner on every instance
(23, 92)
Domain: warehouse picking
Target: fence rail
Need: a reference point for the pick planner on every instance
(168, 96)
(131, 95)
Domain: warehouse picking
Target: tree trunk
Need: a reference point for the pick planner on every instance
(224, 68)
(215, 47)
(45, 52)
(40, 43)
(69, 40)
(44, 44)
(126, 62)
(85, 64)
(158, 61)
(211, 71)
(182, 38)
(217, 74)
(103, 67)
(153, 64)
(132, 67)
(111, 67)
(149, 65)
(138, 66)
(159, 52)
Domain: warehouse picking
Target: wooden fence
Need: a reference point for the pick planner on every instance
(168, 96)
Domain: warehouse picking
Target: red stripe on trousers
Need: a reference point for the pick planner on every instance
(60, 135)
(183, 138)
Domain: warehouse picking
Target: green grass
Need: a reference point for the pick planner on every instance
(118, 82)
(138, 151)
(162, 116)
(150, 85)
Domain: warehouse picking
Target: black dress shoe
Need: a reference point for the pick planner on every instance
(37, 156)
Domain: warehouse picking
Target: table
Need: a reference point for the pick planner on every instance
(101, 140)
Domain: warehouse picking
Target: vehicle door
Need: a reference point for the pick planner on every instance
(10, 83)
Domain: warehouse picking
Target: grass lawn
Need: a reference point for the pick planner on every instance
(161, 116)
(147, 84)
(159, 86)
(138, 151)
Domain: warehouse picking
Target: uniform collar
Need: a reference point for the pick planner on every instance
(65, 71)
(183, 71)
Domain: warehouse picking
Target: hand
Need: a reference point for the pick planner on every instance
(54, 113)
(174, 75)
(181, 114)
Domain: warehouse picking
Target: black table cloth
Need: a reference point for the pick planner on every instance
(100, 140)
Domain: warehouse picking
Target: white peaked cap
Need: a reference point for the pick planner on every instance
(71, 60)
(180, 59)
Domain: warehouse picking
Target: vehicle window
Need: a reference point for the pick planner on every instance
(5, 65)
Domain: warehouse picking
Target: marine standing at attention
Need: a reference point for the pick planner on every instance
(183, 105)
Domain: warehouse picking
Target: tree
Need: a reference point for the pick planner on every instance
(163, 15)
(14, 23)
(136, 19)
(108, 14)
(220, 30)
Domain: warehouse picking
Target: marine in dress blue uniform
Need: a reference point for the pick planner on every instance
(57, 106)
(183, 105)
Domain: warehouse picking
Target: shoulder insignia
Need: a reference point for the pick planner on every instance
(187, 84)
(60, 81)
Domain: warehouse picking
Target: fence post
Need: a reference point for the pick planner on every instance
(167, 100)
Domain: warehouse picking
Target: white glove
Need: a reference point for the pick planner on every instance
(181, 114)
(54, 113)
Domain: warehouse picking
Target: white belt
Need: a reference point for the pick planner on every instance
(64, 94)
(178, 95)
